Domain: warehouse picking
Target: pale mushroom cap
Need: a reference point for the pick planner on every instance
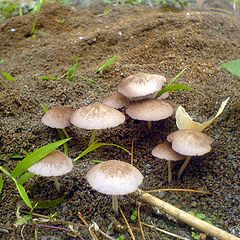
(116, 100)
(141, 84)
(55, 163)
(114, 178)
(150, 110)
(164, 151)
(190, 142)
(97, 116)
(58, 117)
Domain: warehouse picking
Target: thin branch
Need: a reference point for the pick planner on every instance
(132, 151)
(128, 225)
(177, 190)
(140, 222)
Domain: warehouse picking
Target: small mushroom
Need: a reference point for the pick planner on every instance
(59, 117)
(164, 151)
(141, 85)
(114, 178)
(117, 101)
(150, 110)
(189, 142)
(96, 116)
(54, 164)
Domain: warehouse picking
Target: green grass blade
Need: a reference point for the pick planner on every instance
(177, 77)
(36, 156)
(49, 203)
(1, 61)
(174, 87)
(72, 71)
(97, 145)
(233, 67)
(44, 108)
(20, 188)
(25, 177)
(1, 184)
(107, 64)
(8, 76)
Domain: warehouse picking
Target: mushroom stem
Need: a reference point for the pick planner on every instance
(65, 133)
(149, 124)
(169, 171)
(57, 184)
(115, 204)
(62, 136)
(187, 160)
(93, 136)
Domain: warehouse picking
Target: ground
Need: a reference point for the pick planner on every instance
(146, 40)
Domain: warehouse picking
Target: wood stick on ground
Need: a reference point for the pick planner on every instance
(93, 235)
(127, 223)
(164, 231)
(140, 221)
(132, 151)
(187, 218)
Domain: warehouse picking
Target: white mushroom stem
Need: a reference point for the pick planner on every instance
(149, 123)
(57, 184)
(183, 167)
(187, 218)
(115, 204)
(169, 171)
(93, 136)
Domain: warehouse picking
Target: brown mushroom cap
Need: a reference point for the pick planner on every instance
(150, 110)
(116, 100)
(58, 117)
(114, 177)
(141, 84)
(164, 151)
(190, 142)
(97, 116)
(55, 163)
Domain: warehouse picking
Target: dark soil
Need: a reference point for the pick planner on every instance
(147, 40)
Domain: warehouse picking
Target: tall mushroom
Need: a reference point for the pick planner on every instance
(164, 151)
(54, 164)
(114, 178)
(190, 143)
(149, 110)
(141, 85)
(96, 116)
(59, 117)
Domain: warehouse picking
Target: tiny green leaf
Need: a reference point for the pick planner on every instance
(233, 67)
(23, 220)
(49, 203)
(97, 145)
(8, 76)
(173, 87)
(72, 71)
(49, 77)
(96, 161)
(1, 61)
(107, 64)
(36, 156)
(44, 108)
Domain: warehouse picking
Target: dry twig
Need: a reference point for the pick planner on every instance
(139, 221)
(177, 190)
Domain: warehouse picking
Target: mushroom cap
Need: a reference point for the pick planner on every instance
(164, 151)
(55, 163)
(114, 177)
(141, 84)
(97, 116)
(190, 142)
(150, 110)
(116, 100)
(58, 117)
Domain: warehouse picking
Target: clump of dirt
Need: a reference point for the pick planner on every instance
(147, 40)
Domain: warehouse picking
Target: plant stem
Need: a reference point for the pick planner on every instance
(169, 171)
(65, 133)
(93, 136)
(183, 166)
(62, 136)
(149, 123)
(115, 204)
(57, 184)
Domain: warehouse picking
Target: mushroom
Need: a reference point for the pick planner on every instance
(54, 164)
(164, 151)
(59, 117)
(141, 85)
(96, 116)
(190, 143)
(114, 178)
(117, 101)
(150, 110)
